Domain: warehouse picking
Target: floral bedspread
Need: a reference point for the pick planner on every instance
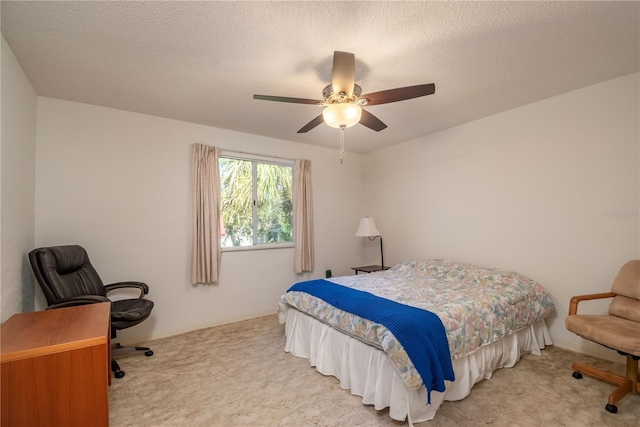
(476, 305)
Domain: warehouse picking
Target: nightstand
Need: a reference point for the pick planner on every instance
(370, 268)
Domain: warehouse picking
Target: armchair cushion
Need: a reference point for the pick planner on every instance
(627, 282)
(129, 312)
(625, 307)
(65, 271)
(79, 300)
(611, 331)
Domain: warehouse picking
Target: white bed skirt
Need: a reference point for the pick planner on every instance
(368, 372)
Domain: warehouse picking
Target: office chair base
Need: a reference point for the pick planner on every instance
(116, 369)
(626, 385)
(118, 349)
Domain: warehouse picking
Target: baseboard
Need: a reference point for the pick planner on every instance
(198, 327)
(590, 349)
(584, 347)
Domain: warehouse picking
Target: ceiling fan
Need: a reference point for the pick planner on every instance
(343, 99)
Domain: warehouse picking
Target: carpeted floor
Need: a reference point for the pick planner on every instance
(239, 375)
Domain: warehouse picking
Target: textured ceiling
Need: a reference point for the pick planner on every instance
(201, 62)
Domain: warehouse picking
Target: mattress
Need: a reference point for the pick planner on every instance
(476, 305)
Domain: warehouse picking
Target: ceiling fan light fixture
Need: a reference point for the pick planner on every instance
(342, 115)
(343, 99)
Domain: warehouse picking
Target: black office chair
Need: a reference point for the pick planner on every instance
(67, 278)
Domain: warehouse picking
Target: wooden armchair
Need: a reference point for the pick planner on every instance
(619, 330)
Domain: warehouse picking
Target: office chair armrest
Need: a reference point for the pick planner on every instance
(573, 305)
(144, 289)
(79, 300)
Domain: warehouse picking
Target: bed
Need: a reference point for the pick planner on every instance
(489, 318)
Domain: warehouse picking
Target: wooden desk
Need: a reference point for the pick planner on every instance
(55, 367)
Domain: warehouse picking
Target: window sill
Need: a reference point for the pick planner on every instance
(258, 247)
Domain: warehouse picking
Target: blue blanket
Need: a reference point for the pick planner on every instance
(420, 332)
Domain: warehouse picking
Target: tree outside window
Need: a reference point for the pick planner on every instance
(257, 203)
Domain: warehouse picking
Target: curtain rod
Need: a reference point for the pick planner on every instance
(258, 155)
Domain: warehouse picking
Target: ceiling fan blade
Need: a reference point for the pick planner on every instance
(313, 123)
(343, 75)
(287, 99)
(371, 121)
(399, 94)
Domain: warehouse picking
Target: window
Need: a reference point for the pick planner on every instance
(257, 203)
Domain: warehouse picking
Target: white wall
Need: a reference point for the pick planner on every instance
(119, 184)
(17, 200)
(525, 190)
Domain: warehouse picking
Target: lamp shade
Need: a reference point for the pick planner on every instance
(342, 114)
(367, 228)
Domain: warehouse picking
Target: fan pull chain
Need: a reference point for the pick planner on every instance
(341, 143)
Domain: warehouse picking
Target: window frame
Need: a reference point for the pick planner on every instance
(255, 159)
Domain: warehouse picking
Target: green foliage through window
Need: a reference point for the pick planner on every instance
(257, 204)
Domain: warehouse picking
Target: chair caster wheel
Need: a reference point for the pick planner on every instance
(119, 374)
(577, 375)
(611, 408)
(148, 353)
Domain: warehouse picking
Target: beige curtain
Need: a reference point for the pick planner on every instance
(205, 262)
(303, 219)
